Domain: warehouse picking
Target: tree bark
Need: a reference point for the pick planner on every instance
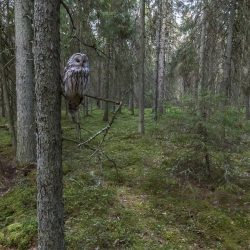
(228, 56)
(9, 111)
(247, 100)
(49, 142)
(107, 83)
(203, 84)
(2, 102)
(141, 76)
(26, 141)
(131, 100)
(6, 97)
(99, 82)
(160, 61)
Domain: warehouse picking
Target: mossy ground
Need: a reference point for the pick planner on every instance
(138, 204)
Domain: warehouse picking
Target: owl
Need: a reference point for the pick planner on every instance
(75, 81)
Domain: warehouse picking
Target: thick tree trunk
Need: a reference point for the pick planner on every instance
(141, 73)
(49, 145)
(26, 141)
(244, 65)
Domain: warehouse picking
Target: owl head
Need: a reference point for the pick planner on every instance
(78, 60)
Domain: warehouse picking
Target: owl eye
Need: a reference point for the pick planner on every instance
(77, 60)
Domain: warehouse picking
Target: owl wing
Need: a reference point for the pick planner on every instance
(85, 73)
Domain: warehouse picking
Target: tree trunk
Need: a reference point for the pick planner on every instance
(49, 142)
(158, 38)
(99, 82)
(6, 93)
(160, 61)
(203, 84)
(141, 70)
(9, 111)
(131, 100)
(247, 100)
(107, 82)
(2, 102)
(26, 141)
(6, 100)
(228, 56)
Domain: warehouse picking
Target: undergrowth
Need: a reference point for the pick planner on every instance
(158, 196)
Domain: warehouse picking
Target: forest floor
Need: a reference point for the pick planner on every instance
(138, 192)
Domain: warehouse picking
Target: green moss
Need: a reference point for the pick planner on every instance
(19, 235)
(2, 237)
(174, 236)
(216, 221)
(139, 204)
(221, 227)
(14, 227)
(67, 168)
(17, 216)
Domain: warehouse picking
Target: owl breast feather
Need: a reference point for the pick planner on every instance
(74, 86)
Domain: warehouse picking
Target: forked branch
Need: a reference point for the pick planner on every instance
(103, 130)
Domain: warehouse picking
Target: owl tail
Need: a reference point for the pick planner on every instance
(73, 106)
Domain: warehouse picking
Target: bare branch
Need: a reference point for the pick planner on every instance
(102, 99)
(70, 16)
(93, 136)
(103, 130)
(98, 51)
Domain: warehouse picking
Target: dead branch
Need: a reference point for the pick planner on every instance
(102, 99)
(98, 51)
(77, 142)
(93, 136)
(4, 66)
(70, 16)
(110, 123)
(106, 129)
(103, 130)
(95, 150)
